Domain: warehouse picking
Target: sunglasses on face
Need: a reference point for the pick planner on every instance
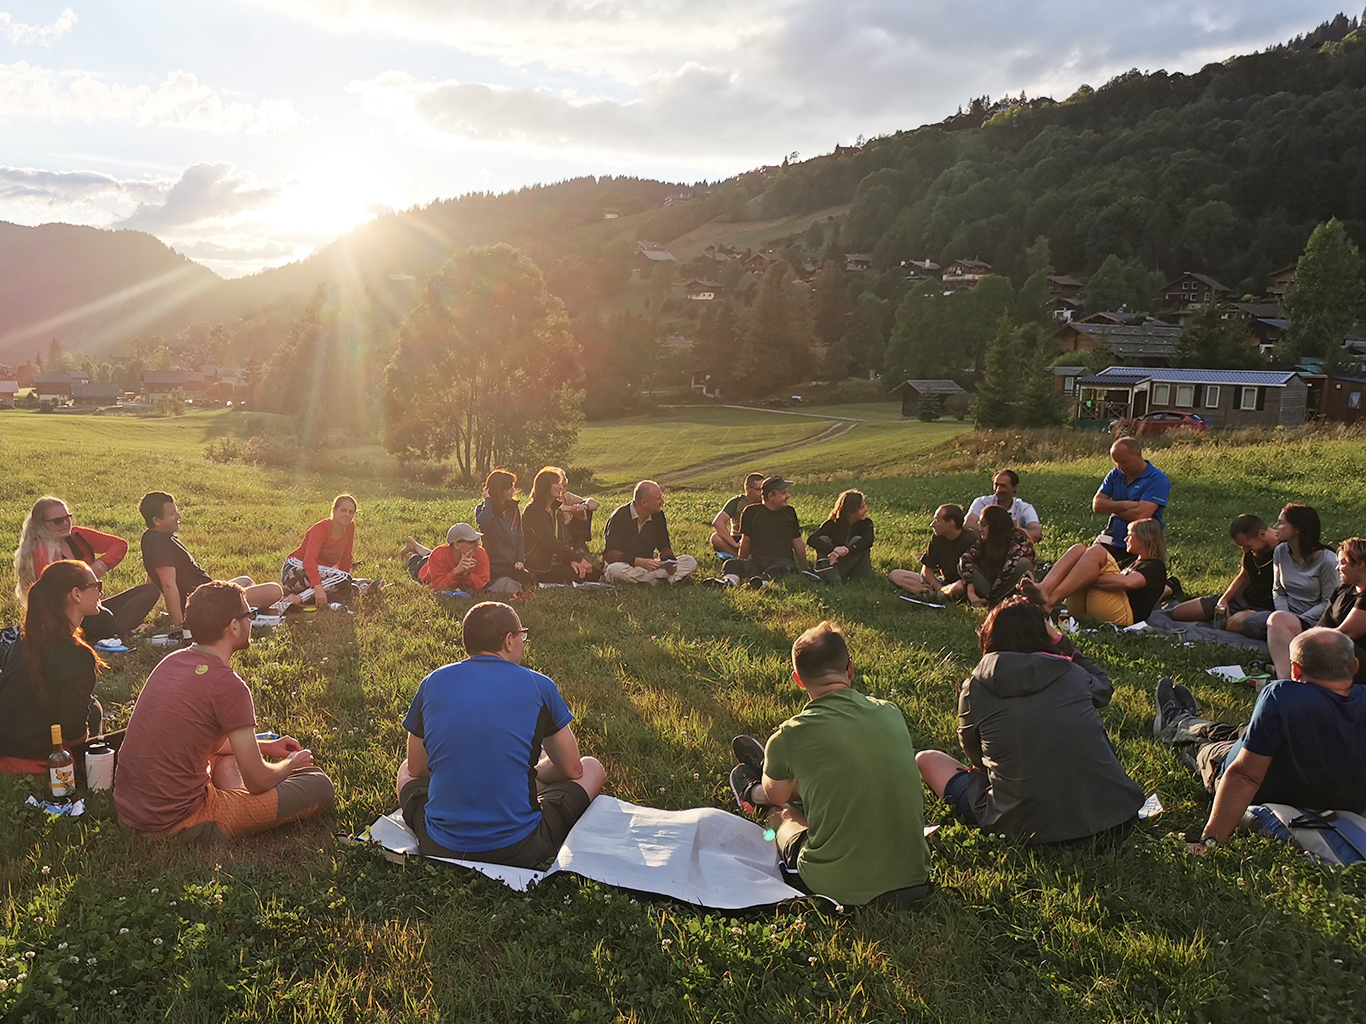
(250, 613)
(97, 584)
(59, 520)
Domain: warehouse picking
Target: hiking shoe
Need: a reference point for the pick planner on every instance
(757, 583)
(1183, 696)
(811, 574)
(748, 751)
(742, 780)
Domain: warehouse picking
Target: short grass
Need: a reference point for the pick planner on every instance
(296, 926)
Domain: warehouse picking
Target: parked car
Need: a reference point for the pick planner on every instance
(1159, 423)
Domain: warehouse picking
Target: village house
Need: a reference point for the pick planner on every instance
(163, 382)
(8, 389)
(700, 290)
(759, 262)
(857, 262)
(1342, 398)
(1227, 399)
(964, 273)
(1278, 282)
(1191, 290)
(56, 387)
(610, 213)
(96, 394)
(1152, 342)
(922, 270)
(913, 391)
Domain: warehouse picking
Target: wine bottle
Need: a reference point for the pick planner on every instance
(61, 770)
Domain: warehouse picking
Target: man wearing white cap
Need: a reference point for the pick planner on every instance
(459, 564)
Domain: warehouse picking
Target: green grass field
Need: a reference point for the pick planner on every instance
(294, 926)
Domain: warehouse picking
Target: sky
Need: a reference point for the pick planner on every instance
(247, 133)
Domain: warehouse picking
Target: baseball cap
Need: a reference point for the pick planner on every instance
(462, 531)
(776, 483)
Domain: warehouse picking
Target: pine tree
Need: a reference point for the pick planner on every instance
(998, 386)
(832, 304)
(1326, 297)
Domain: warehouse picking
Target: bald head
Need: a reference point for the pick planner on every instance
(648, 498)
(1127, 454)
(1324, 655)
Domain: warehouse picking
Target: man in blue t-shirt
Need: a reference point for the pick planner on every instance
(493, 771)
(1135, 489)
(1303, 746)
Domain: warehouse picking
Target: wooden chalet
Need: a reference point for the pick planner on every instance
(8, 389)
(96, 394)
(701, 290)
(1278, 282)
(1228, 399)
(912, 391)
(922, 270)
(964, 273)
(1191, 290)
(1152, 343)
(858, 262)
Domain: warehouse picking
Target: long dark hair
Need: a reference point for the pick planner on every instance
(540, 487)
(498, 481)
(46, 625)
(1000, 532)
(846, 505)
(1308, 531)
(1015, 625)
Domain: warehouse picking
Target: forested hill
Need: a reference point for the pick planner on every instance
(1225, 171)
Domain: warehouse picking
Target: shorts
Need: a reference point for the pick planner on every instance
(966, 795)
(562, 805)
(789, 853)
(227, 813)
(1254, 626)
(1238, 604)
(1123, 558)
(1104, 605)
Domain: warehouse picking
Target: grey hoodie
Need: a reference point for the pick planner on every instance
(1030, 722)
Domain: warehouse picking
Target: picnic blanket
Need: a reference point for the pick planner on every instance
(1161, 622)
(703, 856)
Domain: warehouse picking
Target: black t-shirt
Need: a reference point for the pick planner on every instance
(1260, 571)
(733, 508)
(1344, 601)
(943, 554)
(160, 550)
(1143, 600)
(770, 531)
(26, 720)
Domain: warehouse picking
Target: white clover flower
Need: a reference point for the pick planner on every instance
(157, 941)
(155, 891)
(30, 955)
(113, 991)
(61, 945)
(666, 943)
(123, 931)
(90, 961)
(736, 930)
(811, 960)
(47, 869)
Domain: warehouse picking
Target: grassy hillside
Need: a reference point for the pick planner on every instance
(295, 926)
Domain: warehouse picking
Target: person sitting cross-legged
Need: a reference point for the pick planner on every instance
(1094, 585)
(549, 557)
(1041, 767)
(998, 561)
(636, 532)
(1003, 487)
(460, 564)
(500, 521)
(493, 771)
(1345, 611)
(191, 763)
(1251, 590)
(844, 542)
(725, 538)
(770, 539)
(1302, 747)
(858, 835)
(938, 575)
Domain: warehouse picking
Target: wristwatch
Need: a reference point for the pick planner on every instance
(1209, 842)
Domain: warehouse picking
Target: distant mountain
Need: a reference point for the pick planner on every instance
(87, 287)
(1224, 172)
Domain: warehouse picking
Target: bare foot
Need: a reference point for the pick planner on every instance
(409, 547)
(1034, 594)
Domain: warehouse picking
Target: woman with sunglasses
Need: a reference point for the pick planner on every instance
(49, 673)
(49, 535)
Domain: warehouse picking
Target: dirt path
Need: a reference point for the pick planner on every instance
(830, 433)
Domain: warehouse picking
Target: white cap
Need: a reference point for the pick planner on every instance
(462, 531)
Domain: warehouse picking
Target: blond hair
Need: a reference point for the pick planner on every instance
(1149, 531)
(33, 537)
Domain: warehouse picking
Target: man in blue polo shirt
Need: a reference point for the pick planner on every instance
(1135, 489)
(476, 784)
(1302, 747)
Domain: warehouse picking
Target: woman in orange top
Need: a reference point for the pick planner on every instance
(323, 563)
(49, 535)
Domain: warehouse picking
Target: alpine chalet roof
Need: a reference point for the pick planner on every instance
(934, 387)
(1128, 376)
(1133, 341)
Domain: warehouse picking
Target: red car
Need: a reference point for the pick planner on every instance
(1160, 423)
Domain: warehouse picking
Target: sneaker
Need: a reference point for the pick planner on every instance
(1183, 696)
(718, 582)
(748, 751)
(811, 574)
(743, 778)
(1168, 710)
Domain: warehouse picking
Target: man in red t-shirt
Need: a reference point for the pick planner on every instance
(190, 763)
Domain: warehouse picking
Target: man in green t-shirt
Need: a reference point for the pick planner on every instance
(725, 538)
(841, 777)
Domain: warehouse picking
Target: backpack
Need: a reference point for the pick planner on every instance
(1330, 837)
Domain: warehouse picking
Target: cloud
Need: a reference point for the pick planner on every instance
(43, 95)
(214, 252)
(40, 35)
(698, 81)
(205, 193)
(67, 187)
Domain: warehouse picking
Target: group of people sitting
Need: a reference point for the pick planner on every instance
(493, 771)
